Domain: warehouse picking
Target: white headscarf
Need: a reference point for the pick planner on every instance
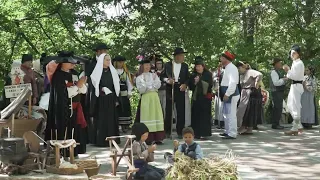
(97, 73)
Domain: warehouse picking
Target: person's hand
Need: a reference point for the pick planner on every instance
(154, 75)
(285, 79)
(170, 81)
(176, 143)
(225, 98)
(117, 104)
(82, 81)
(196, 80)
(183, 87)
(286, 68)
(152, 148)
(257, 85)
(34, 101)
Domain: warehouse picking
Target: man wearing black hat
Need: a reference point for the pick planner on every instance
(176, 75)
(277, 87)
(296, 74)
(29, 77)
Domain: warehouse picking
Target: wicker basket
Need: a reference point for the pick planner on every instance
(64, 171)
(90, 166)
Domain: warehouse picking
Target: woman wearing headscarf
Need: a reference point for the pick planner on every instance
(201, 83)
(249, 109)
(65, 115)
(106, 82)
(308, 101)
(150, 108)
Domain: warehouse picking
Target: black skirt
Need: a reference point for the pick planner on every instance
(253, 114)
(201, 117)
(105, 122)
(124, 111)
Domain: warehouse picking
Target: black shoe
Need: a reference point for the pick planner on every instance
(228, 137)
(166, 155)
(255, 128)
(223, 134)
(277, 127)
(159, 143)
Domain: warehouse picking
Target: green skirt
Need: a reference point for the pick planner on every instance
(151, 112)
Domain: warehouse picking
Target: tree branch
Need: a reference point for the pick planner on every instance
(45, 32)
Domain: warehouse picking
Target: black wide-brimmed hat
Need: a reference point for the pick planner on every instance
(26, 58)
(198, 60)
(138, 129)
(179, 50)
(154, 57)
(295, 48)
(119, 58)
(100, 46)
(66, 57)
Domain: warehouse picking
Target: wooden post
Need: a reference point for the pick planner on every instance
(71, 153)
(30, 107)
(57, 156)
(12, 124)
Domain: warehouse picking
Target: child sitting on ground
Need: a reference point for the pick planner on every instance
(142, 154)
(188, 148)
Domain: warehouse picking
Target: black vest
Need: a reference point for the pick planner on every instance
(187, 150)
(277, 88)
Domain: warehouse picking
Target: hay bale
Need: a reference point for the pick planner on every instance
(214, 168)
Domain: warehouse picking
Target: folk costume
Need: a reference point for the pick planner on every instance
(150, 108)
(106, 85)
(65, 114)
(162, 89)
(229, 87)
(309, 114)
(218, 104)
(180, 73)
(201, 101)
(30, 76)
(296, 74)
(142, 156)
(90, 96)
(249, 108)
(126, 86)
(277, 87)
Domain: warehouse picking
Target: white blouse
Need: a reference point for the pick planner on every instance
(147, 82)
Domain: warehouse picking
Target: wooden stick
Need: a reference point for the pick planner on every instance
(72, 133)
(51, 135)
(30, 107)
(12, 124)
(65, 134)
(56, 135)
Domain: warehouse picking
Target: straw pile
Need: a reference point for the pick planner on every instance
(214, 168)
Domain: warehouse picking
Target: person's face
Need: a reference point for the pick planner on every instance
(28, 64)
(307, 71)
(278, 65)
(159, 65)
(179, 58)
(101, 51)
(294, 55)
(146, 67)
(106, 61)
(224, 61)
(242, 70)
(68, 66)
(119, 64)
(199, 68)
(188, 138)
(144, 137)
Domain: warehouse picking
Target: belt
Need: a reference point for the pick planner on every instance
(296, 82)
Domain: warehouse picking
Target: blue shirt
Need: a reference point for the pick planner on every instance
(198, 151)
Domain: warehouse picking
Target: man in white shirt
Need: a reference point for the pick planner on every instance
(296, 74)
(277, 87)
(229, 94)
(176, 74)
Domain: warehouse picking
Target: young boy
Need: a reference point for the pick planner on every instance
(188, 148)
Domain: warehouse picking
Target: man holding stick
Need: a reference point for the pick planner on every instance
(176, 75)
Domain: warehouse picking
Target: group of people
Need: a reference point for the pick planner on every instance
(91, 105)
